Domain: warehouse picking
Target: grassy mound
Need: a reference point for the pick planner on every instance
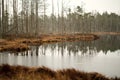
(17, 44)
(8, 72)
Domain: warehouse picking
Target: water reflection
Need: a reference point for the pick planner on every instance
(99, 56)
(105, 44)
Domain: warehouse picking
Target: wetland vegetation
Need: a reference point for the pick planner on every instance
(24, 73)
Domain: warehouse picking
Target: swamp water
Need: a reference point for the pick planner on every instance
(102, 56)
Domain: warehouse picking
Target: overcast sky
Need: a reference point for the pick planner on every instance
(91, 5)
(102, 5)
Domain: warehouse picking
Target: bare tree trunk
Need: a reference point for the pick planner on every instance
(44, 14)
(0, 21)
(32, 17)
(62, 17)
(6, 17)
(26, 16)
(58, 16)
(3, 18)
(22, 18)
(15, 16)
(36, 18)
(53, 17)
(69, 22)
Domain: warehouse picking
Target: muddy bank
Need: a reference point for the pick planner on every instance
(8, 72)
(17, 44)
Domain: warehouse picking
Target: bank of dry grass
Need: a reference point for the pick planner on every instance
(42, 73)
(106, 33)
(16, 44)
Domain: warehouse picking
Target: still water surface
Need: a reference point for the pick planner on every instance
(101, 56)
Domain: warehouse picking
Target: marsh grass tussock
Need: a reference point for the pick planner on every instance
(8, 72)
(18, 44)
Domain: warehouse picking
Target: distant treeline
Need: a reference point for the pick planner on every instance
(29, 17)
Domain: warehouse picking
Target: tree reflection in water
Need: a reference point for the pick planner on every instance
(104, 44)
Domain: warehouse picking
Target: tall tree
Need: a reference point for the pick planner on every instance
(6, 17)
(58, 16)
(26, 16)
(0, 19)
(15, 20)
(53, 17)
(62, 16)
(36, 17)
(32, 17)
(3, 31)
(44, 1)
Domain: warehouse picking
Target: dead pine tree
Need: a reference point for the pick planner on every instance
(2, 27)
(0, 20)
(36, 26)
(15, 20)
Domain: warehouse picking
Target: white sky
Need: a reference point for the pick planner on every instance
(103, 5)
(90, 5)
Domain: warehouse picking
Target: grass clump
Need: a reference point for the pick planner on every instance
(8, 72)
(18, 44)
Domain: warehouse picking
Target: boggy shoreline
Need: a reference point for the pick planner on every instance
(22, 43)
(8, 72)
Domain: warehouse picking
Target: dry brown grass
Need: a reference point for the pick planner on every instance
(8, 72)
(69, 37)
(17, 44)
(106, 33)
(14, 47)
